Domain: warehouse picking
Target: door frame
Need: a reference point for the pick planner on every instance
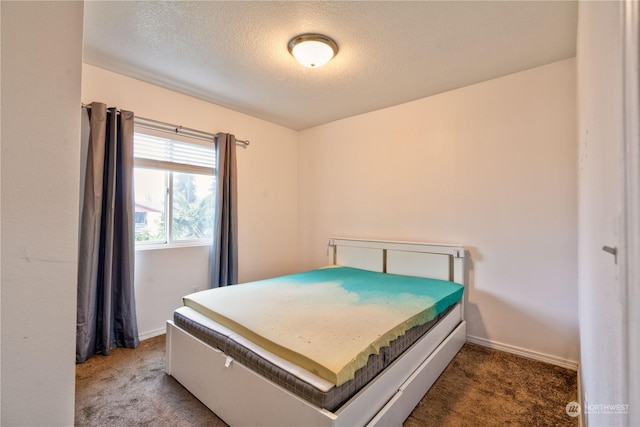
(630, 262)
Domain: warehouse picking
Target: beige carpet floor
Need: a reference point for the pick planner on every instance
(480, 387)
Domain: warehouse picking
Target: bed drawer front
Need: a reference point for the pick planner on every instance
(229, 389)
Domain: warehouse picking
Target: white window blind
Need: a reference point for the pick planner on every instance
(169, 154)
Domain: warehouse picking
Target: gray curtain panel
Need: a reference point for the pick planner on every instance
(224, 251)
(106, 315)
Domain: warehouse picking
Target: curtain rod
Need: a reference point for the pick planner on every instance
(175, 129)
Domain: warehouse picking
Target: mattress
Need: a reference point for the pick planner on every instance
(293, 378)
(328, 321)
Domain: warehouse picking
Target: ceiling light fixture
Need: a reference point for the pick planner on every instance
(313, 50)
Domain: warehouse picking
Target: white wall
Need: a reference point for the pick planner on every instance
(41, 74)
(602, 295)
(267, 192)
(491, 166)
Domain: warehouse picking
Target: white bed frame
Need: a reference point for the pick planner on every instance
(242, 397)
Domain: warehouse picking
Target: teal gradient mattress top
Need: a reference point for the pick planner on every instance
(328, 320)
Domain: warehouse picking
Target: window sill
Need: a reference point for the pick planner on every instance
(161, 246)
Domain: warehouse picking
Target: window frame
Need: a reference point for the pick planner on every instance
(169, 170)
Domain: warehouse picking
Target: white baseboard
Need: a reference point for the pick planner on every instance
(554, 360)
(151, 334)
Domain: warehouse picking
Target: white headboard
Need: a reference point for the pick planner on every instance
(433, 260)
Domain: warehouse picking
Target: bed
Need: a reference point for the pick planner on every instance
(246, 381)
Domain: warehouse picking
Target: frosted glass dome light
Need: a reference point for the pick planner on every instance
(313, 50)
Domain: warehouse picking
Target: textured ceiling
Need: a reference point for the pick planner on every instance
(234, 53)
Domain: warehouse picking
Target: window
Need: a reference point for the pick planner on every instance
(174, 190)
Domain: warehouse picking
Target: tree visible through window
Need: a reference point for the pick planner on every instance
(174, 190)
(192, 206)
